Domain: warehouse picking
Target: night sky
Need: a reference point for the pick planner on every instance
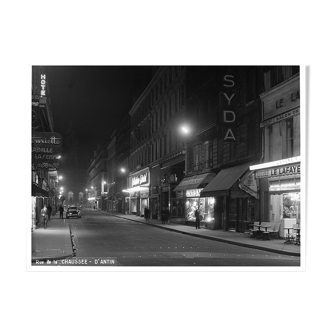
(89, 101)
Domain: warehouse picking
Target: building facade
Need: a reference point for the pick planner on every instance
(46, 148)
(97, 179)
(279, 173)
(156, 146)
(111, 174)
(122, 148)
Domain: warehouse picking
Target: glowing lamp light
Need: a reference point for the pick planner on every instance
(122, 170)
(209, 219)
(185, 129)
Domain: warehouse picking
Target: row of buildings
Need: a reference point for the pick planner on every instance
(46, 148)
(224, 140)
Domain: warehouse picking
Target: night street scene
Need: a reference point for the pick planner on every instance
(166, 166)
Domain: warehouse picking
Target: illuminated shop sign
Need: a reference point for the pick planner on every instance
(279, 171)
(46, 150)
(139, 179)
(285, 188)
(193, 192)
(43, 85)
(276, 163)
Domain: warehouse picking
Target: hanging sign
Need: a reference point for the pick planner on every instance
(249, 185)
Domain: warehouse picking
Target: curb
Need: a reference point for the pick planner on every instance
(246, 245)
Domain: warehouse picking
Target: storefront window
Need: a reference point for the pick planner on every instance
(191, 206)
(292, 205)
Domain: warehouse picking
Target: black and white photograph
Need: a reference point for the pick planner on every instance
(166, 165)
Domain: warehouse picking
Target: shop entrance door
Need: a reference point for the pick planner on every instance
(241, 215)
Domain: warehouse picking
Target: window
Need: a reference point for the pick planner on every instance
(182, 95)
(270, 134)
(165, 112)
(176, 100)
(169, 107)
(196, 155)
(173, 103)
(289, 138)
(164, 145)
(250, 85)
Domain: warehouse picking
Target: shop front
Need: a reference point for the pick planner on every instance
(280, 188)
(138, 191)
(234, 193)
(155, 203)
(188, 200)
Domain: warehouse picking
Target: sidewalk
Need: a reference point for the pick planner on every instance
(54, 242)
(240, 239)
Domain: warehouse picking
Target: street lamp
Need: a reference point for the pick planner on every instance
(123, 170)
(185, 130)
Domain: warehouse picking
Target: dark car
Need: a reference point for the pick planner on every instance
(73, 212)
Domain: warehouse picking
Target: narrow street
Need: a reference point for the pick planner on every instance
(136, 244)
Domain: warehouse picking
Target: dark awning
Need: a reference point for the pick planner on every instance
(196, 181)
(224, 180)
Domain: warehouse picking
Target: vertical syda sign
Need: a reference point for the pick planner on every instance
(227, 100)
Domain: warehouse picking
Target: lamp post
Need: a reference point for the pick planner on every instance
(185, 131)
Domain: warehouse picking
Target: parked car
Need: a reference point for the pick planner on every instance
(73, 212)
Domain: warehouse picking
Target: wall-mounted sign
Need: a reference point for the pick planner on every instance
(281, 98)
(139, 179)
(280, 117)
(43, 85)
(227, 102)
(281, 162)
(279, 171)
(193, 192)
(46, 150)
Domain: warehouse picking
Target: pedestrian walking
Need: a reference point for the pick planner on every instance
(198, 226)
(163, 216)
(43, 214)
(147, 214)
(49, 212)
(166, 215)
(54, 211)
(61, 211)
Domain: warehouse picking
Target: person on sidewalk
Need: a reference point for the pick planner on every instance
(49, 212)
(166, 216)
(198, 226)
(43, 214)
(163, 216)
(61, 211)
(147, 214)
(54, 211)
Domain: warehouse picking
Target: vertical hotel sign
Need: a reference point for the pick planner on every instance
(46, 150)
(38, 103)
